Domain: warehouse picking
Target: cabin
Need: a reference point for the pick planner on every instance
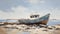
(34, 16)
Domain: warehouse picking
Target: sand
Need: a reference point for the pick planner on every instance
(2, 31)
(56, 32)
(32, 31)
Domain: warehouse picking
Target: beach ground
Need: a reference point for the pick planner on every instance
(32, 31)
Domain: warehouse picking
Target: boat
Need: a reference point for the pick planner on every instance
(38, 20)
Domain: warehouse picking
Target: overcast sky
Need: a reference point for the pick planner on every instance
(14, 9)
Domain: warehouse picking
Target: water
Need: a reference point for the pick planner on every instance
(53, 22)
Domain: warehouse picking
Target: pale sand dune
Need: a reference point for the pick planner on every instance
(2, 31)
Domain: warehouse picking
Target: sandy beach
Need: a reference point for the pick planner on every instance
(33, 30)
(2, 31)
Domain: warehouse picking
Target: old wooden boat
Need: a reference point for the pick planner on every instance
(37, 21)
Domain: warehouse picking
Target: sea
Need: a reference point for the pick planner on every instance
(53, 22)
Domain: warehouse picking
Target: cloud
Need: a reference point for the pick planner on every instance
(42, 1)
(33, 1)
(17, 12)
(4, 14)
(36, 1)
(24, 12)
(19, 9)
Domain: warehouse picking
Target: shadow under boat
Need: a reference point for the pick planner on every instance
(41, 20)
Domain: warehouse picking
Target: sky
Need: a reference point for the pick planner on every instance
(16, 9)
